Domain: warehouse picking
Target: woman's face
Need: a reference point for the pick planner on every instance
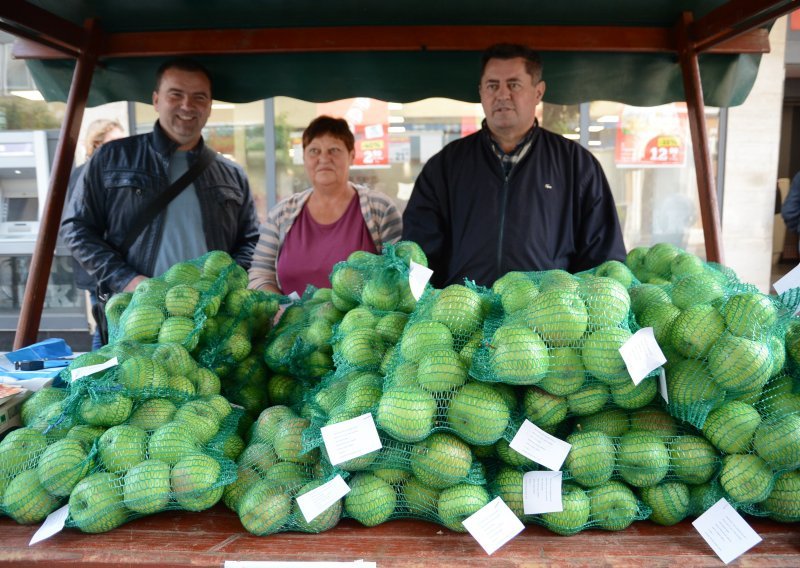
(327, 161)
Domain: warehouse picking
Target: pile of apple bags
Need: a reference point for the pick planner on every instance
(150, 434)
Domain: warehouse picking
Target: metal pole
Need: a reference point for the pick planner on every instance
(709, 210)
(42, 260)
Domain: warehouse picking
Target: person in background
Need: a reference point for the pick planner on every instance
(98, 133)
(308, 232)
(512, 196)
(790, 208)
(124, 177)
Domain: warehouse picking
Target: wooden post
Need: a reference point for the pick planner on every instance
(31, 312)
(706, 188)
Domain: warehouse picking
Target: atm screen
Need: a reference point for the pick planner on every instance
(16, 209)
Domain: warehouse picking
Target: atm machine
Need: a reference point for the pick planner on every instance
(25, 163)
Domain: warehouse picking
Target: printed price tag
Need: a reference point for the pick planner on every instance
(53, 524)
(418, 278)
(790, 280)
(725, 531)
(351, 438)
(493, 525)
(642, 354)
(662, 385)
(92, 369)
(319, 500)
(539, 446)
(541, 492)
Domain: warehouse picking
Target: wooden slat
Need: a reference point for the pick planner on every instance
(27, 20)
(734, 18)
(706, 188)
(211, 537)
(393, 38)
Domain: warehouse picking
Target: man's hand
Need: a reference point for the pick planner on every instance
(134, 283)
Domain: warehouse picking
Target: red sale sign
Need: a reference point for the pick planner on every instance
(652, 137)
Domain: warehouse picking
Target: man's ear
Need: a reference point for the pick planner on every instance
(540, 88)
(155, 98)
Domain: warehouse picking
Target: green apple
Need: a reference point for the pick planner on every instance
(206, 383)
(655, 420)
(265, 427)
(288, 441)
(264, 509)
(517, 293)
(174, 358)
(459, 308)
(691, 391)
(116, 306)
(421, 500)
(142, 323)
(85, 434)
(695, 289)
(731, 427)
(783, 503)
(696, 330)
(669, 502)
(347, 283)
(38, 401)
(326, 310)
(172, 442)
(575, 514)
(601, 355)
(591, 398)
(121, 447)
(237, 278)
(105, 408)
(390, 327)
(147, 487)
(325, 521)
(613, 506)
(509, 455)
(777, 441)
(406, 413)
(694, 460)
(381, 293)
(478, 414)
(408, 251)
(660, 316)
(182, 273)
(441, 460)
(422, 337)
(20, 450)
(140, 375)
(558, 280)
(777, 351)
(200, 418)
(749, 315)
(643, 458)
(363, 393)
(371, 501)
(746, 478)
(182, 300)
(739, 364)
(96, 504)
(471, 347)
(361, 348)
(233, 493)
(686, 263)
(230, 445)
(289, 477)
(607, 301)
(508, 486)
(566, 373)
(644, 295)
(284, 390)
(195, 482)
(215, 263)
(441, 371)
(629, 395)
(612, 422)
(459, 502)
(518, 355)
(180, 388)
(591, 458)
(658, 259)
(558, 315)
(616, 270)
(702, 497)
(151, 292)
(26, 500)
(544, 409)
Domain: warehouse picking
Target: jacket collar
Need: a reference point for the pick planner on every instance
(166, 146)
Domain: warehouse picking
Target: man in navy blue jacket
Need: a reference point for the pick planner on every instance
(512, 196)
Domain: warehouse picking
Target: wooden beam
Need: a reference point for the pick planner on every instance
(393, 38)
(39, 273)
(706, 188)
(734, 18)
(27, 20)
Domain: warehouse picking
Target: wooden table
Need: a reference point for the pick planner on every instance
(208, 539)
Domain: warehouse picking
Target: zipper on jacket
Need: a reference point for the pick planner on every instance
(503, 202)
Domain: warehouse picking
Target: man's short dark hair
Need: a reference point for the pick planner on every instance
(184, 64)
(533, 63)
(336, 127)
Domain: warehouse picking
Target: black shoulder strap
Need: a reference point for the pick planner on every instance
(160, 203)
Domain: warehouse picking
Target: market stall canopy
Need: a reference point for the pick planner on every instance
(623, 51)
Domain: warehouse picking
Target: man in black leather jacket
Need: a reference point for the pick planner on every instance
(215, 212)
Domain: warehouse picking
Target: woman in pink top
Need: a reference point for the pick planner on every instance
(308, 232)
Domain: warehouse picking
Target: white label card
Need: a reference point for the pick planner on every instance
(789, 281)
(662, 385)
(493, 525)
(53, 524)
(351, 438)
(299, 564)
(539, 446)
(642, 354)
(725, 531)
(541, 492)
(92, 369)
(315, 502)
(418, 278)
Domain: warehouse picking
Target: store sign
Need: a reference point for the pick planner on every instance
(369, 121)
(652, 137)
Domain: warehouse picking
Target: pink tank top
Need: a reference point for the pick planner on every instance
(311, 249)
